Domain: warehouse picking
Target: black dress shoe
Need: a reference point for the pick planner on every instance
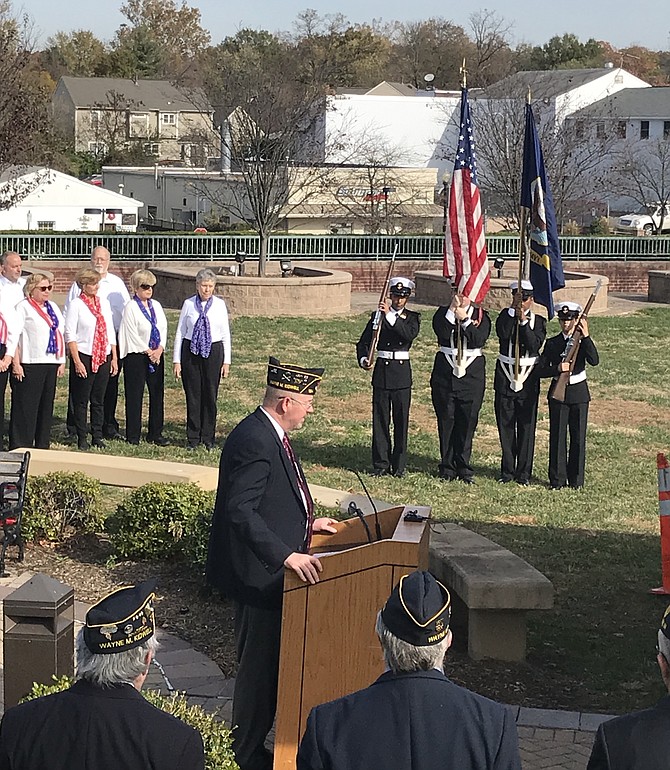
(504, 480)
(209, 446)
(399, 474)
(83, 445)
(523, 482)
(99, 443)
(133, 441)
(160, 441)
(114, 436)
(555, 487)
(379, 472)
(467, 479)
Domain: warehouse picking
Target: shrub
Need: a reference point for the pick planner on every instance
(216, 737)
(160, 521)
(571, 228)
(600, 226)
(60, 504)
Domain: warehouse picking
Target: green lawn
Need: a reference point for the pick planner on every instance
(599, 546)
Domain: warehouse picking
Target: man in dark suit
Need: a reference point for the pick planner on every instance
(263, 521)
(641, 740)
(457, 383)
(102, 722)
(412, 717)
(568, 417)
(517, 388)
(392, 377)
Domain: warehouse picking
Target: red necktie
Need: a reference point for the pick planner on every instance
(302, 484)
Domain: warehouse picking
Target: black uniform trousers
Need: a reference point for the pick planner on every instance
(257, 641)
(136, 374)
(387, 404)
(33, 406)
(200, 378)
(89, 389)
(457, 420)
(516, 417)
(567, 419)
(4, 376)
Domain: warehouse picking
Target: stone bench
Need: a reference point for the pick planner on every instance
(492, 590)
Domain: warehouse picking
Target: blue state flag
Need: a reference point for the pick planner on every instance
(546, 265)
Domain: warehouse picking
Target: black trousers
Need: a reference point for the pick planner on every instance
(89, 389)
(110, 426)
(457, 420)
(136, 375)
(33, 406)
(4, 376)
(387, 404)
(567, 464)
(257, 639)
(516, 419)
(200, 378)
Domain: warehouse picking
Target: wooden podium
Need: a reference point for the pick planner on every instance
(328, 646)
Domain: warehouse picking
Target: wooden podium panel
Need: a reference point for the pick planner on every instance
(329, 647)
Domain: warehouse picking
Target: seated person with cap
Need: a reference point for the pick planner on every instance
(568, 418)
(102, 722)
(392, 377)
(641, 740)
(412, 717)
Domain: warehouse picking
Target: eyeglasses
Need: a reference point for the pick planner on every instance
(45, 288)
(146, 286)
(305, 405)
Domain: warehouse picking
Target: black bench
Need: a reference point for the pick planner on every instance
(13, 477)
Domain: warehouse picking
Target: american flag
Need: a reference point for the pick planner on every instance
(465, 260)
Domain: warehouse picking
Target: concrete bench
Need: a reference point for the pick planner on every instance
(492, 590)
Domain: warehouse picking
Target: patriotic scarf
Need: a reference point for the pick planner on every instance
(201, 340)
(55, 346)
(99, 347)
(154, 337)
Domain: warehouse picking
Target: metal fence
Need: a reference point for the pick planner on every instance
(160, 247)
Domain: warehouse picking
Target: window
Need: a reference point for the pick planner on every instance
(151, 148)
(46, 225)
(139, 124)
(152, 212)
(621, 129)
(97, 148)
(168, 118)
(95, 119)
(600, 130)
(579, 129)
(644, 129)
(666, 129)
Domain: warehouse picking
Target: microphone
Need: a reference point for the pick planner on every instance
(378, 529)
(354, 510)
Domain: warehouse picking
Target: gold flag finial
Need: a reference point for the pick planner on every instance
(528, 96)
(464, 75)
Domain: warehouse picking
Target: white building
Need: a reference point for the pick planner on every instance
(59, 202)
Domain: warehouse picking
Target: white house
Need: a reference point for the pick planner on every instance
(59, 202)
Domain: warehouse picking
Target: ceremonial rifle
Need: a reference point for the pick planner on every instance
(571, 350)
(377, 320)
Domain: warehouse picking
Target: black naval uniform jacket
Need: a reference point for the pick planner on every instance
(637, 741)
(259, 515)
(530, 343)
(551, 359)
(391, 374)
(472, 385)
(413, 721)
(94, 728)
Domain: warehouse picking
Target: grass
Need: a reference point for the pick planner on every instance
(599, 546)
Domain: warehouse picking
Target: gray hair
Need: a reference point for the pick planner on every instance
(664, 645)
(114, 668)
(403, 656)
(3, 258)
(204, 276)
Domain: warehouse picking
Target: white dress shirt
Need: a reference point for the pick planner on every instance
(135, 328)
(218, 324)
(80, 325)
(12, 291)
(34, 331)
(113, 289)
(8, 312)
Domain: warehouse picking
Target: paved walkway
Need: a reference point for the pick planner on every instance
(549, 740)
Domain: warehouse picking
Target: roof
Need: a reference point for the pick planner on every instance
(544, 83)
(631, 103)
(150, 94)
(322, 210)
(385, 88)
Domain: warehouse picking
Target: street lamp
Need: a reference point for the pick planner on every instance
(446, 178)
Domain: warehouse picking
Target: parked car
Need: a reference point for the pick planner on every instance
(646, 221)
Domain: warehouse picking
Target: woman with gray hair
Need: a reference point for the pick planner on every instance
(202, 357)
(142, 339)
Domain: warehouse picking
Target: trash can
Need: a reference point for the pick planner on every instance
(38, 621)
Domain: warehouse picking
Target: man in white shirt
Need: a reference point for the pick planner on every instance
(11, 282)
(11, 293)
(113, 289)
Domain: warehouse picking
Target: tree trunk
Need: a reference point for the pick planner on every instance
(262, 254)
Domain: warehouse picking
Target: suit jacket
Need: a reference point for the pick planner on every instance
(473, 383)
(637, 741)
(551, 358)
(530, 343)
(259, 515)
(391, 374)
(415, 721)
(94, 728)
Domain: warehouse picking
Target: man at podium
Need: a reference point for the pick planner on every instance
(412, 717)
(263, 522)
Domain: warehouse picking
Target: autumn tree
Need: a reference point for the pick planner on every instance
(493, 58)
(563, 52)
(79, 53)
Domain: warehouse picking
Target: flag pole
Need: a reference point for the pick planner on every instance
(459, 340)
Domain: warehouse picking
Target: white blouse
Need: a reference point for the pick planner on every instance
(34, 335)
(112, 288)
(218, 324)
(135, 328)
(8, 312)
(80, 325)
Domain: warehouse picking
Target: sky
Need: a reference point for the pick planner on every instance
(646, 22)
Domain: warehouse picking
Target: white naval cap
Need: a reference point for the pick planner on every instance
(569, 308)
(402, 286)
(525, 285)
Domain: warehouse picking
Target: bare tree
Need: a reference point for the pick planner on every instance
(493, 56)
